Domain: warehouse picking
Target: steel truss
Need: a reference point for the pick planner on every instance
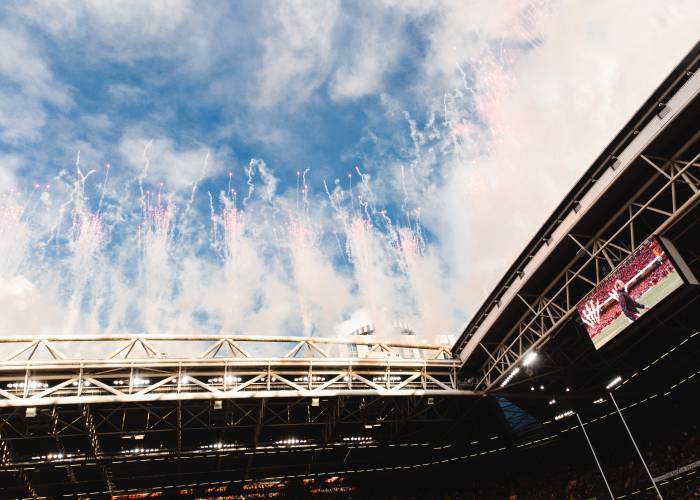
(73, 449)
(672, 189)
(247, 419)
(50, 370)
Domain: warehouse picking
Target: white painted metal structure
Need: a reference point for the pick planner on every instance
(78, 369)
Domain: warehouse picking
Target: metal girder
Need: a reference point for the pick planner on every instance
(250, 428)
(37, 383)
(87, 369)
(256, 437)
(671, 190)
(191, 346)
(7, 461)
(95, 448)
(55, 423)
(138, 442)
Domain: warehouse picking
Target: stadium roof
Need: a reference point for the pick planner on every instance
(539, 250)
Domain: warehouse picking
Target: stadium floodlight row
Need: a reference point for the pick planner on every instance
(49, 370)
(647, 180)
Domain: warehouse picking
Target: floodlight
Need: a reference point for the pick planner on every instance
(530, 358)
(613, 382)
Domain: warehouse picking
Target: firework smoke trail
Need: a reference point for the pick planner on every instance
(323, 296)
(56, 228)
(144, 172)
(464, 79)
(199, 179)
(234, 292)
(32, 200)
(306, 259)
(250, 171)
(297, 192)
(108, 167)
(352, 195)
(240, 260)
(86, 242)
(432, 315)
(375, 280)
(14, 236)
(213, 220)
(156, 234)
(233, 227)
(404, 202)
(87, 234)
(303, 262)
(305, 193)
(365, 196)
(16, 291)
(336, 209)
(269, 208)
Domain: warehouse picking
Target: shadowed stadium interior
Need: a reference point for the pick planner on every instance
(496, 415)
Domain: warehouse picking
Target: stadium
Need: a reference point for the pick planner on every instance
(526, 404)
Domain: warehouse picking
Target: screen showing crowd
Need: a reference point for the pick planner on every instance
(638, 284)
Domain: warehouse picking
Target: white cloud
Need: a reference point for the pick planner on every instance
(99, 121)
(375, 45)
(160, 160)
(25, 310)
(122, 30)
(298, 51)
(26, 86)
(21, 117)
(125, 93)
(10, 164)
(23, 65)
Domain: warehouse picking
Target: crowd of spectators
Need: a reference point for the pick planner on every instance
(624, 473)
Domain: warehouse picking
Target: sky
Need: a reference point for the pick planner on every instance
(299, 167)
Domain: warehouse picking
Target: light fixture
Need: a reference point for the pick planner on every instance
(564, 414)
(510, 376)
(217, 446)
(530, 358)
(291, 441)
(613, 382)
(357, 438)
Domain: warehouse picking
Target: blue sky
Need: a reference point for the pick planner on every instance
(434, 137)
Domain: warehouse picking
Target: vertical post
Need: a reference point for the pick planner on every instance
(635, 446)
(602, 474)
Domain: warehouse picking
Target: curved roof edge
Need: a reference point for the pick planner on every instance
(651, 107)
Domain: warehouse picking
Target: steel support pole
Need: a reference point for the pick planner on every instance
(651, 478)
(590, 445)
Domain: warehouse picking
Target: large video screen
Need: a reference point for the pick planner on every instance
(642, 280)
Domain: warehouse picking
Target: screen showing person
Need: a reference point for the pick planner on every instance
(642, 280)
